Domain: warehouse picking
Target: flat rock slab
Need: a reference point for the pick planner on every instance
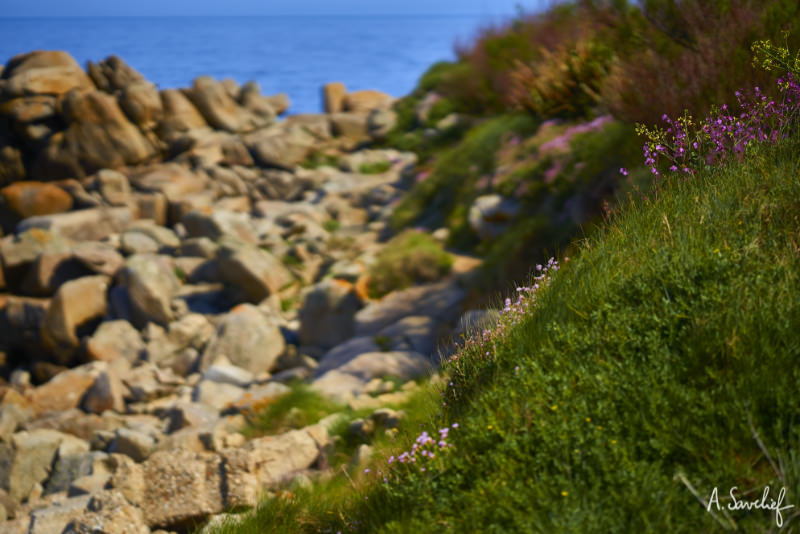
(405, 365)
(83, 225)
(441, 301)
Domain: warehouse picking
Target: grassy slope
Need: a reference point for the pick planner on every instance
(646, 358)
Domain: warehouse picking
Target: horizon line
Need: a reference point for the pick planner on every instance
(258, 15)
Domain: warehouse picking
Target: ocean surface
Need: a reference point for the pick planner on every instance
(289, 54)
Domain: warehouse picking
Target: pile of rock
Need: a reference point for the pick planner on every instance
(170, 265)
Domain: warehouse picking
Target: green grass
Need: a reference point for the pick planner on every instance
(665, 350)
(409, 258)
(451, 185)
(302, 406)
(377, 167)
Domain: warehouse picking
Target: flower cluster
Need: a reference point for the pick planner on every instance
(687, 146)
(513, 311)
(425, 446)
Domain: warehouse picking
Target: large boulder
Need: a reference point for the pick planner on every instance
(256, 272)
(76, 306)
(183, 488)
(113, 186)
(50, 271)
(214, 224)
(12, 168)
(280, 103)
(98, 136)
(170, 179)
(404, 365)
(440, 300)
(151, 284)
(353, 125)
(266, 462)
(179, 114)
(31, 118)
(248, 338)
(113, 74)
(113, 341)
(64, 391)
(30, 460)
(206, 148)
(43, 73)
(490, 215)
(82, 225)
(252, 100)
(327, 316)
(219, 109)
(108, 513)
(100, 258)
(142, 103)
(367, 100)
(281, 147)
(18, 253)
(343, 353)
(333, 97)
(27, 199)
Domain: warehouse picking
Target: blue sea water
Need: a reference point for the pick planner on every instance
(291, 54)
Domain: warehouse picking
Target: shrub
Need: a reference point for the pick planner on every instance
(409, 258)
(687, 146)
(685, 56)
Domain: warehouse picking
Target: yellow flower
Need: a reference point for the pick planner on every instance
(613, 442)
(564, 493)
(588, 419)
(554, 407)
(489, 427)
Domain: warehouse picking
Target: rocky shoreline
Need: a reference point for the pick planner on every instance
(173, 260)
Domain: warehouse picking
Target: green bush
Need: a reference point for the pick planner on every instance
(409, 258)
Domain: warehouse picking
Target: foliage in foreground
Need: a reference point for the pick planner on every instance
(660, 361)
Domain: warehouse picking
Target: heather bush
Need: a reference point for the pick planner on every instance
(678, 56)
(687, 145)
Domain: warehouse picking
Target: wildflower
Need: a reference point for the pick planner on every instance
(366, 471)
(564, 493)
(623, 171)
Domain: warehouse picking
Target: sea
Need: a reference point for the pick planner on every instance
(296, 55)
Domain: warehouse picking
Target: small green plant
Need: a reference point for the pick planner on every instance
(409, 258)
(290, 260)
(320, 159)
(377, 167)
(180, 274)
(331, 225)
(384, 343)
(287, 304)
